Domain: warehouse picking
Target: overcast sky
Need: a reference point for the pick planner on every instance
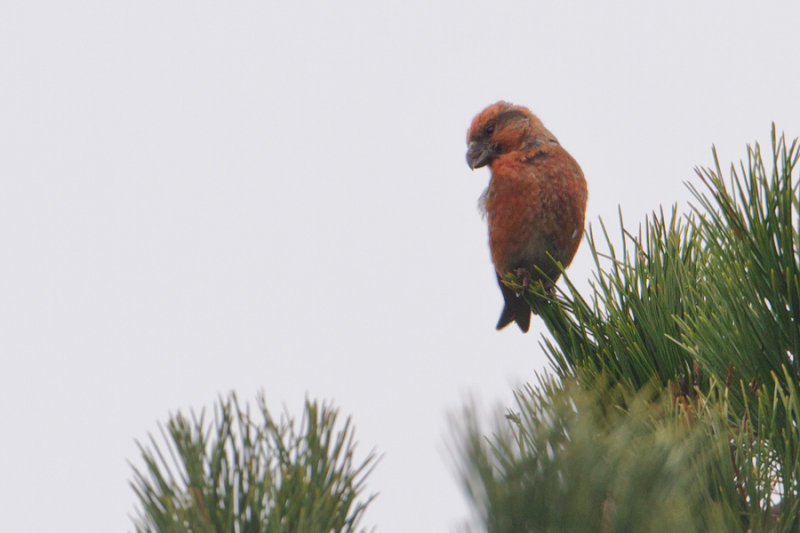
(201, 197)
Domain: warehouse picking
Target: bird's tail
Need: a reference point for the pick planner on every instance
(516, 309)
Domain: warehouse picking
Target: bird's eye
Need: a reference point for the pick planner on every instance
(489, 129)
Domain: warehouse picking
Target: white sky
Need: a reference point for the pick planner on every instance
(201, 197)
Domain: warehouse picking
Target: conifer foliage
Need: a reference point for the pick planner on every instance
(248, 473)
(673, 400)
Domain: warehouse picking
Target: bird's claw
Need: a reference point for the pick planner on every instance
(524, 275)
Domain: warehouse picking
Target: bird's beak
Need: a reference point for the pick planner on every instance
(478, 155)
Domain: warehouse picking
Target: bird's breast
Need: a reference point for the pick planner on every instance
(533, 210)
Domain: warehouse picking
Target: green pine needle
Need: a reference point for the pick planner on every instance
(251, 474)
(673, 404)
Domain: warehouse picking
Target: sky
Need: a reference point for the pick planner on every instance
(205, 197)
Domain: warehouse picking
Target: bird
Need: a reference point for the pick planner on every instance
(535, 202)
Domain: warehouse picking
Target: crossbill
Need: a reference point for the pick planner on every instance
(535, 202)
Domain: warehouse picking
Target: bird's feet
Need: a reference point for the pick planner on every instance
(524, 275)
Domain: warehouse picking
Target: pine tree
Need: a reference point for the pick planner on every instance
(249, 473)
(672, 402)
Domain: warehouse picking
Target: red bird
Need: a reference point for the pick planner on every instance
(535, 202)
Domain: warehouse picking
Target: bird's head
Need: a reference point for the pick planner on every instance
(499, 129)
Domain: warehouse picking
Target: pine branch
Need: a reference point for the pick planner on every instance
(241, 473)
(674, 403)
